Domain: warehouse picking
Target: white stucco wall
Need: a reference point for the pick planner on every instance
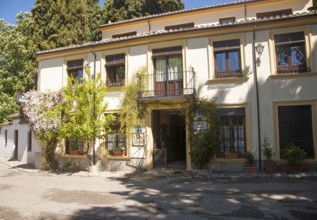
(8, 151)
(50, 76)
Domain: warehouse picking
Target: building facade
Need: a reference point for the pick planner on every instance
(212, 52)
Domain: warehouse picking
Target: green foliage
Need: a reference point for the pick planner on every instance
(249, 156)
(315, 2)
(293, 154)
(17, 65)
(132, 110)
(204, 144)
(59, 23)
(83, 109)
(267, 148)
(43, 116)
(115, 10)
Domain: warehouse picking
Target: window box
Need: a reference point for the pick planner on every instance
(73, 152)
(231, 156)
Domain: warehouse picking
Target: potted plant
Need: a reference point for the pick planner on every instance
(249, 167)
(118, 152)
(269, 164)
(294, 156)
(73, 148)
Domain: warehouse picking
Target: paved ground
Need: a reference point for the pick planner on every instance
(30, 194)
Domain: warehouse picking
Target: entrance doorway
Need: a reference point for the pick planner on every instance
(169, 132)
(16, 144)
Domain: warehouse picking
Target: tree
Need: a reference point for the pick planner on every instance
(44, 117)
(17, 65)
(204, 144)
(118, 10)
(59, 23)
(83, 110)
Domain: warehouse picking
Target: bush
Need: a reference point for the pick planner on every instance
(267, 149)
(249, 159)
(204, 144)
(293, 154)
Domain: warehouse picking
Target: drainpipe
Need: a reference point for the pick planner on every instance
(94, 107)
(257, 96)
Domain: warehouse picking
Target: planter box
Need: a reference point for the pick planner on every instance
(231, 156)
(73, 152)
(118, 153)
(270, 166)
(250, 169)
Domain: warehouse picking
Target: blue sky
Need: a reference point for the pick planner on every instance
(10, 8)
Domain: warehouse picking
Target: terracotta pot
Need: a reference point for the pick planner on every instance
(250, 169)
(270, 166)
(73, 152)
(118, 153)
(231, 155)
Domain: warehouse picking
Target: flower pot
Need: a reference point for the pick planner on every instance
(73, 152)
(270, 166)
(118, 153)
(250, 169)
(231, 155)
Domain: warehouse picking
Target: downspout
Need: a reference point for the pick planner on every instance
(257, 96)
(94, 107)
(149, 24)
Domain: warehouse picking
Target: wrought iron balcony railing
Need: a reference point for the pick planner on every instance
(167, 85)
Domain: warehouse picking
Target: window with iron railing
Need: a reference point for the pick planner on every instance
(227, 59)
(115, 70)
(290, 53)
(233, 130)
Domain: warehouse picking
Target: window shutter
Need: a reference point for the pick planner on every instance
(167, 51)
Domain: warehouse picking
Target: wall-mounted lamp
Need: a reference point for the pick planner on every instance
(259, 49)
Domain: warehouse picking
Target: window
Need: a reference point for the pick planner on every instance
(115, 139)
(74, 147)
(29, 141)
(5, 137)
(224, 21)
(179, 26)
(295, 126)
(290, 53)
(115, 68)
(75, 69)
(274, 13)
(168, 65)
(124, 34)
(227, 58)
(233, 130)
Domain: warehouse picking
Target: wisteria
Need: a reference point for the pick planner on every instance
(43, 114)
(40, 110)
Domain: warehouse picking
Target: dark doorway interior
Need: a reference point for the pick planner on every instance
(169, 133)
(16, 144)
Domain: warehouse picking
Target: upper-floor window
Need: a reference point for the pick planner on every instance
(224, 21)
(115, 69)
(168, 65)
(274, 13)
(180, 26)
(227, 58)
(133, 33)
(75, 69)
(290, 53)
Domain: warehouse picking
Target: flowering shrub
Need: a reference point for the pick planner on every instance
(42, 111)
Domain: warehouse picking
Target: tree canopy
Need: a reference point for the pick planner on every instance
(118, 10)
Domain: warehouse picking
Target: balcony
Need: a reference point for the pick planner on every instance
(180, 84)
